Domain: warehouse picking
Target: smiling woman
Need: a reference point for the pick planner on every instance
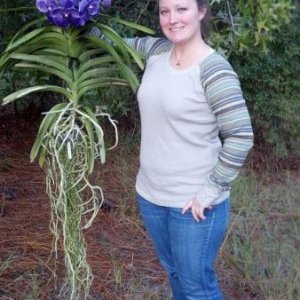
(181, 22)
(188, 96)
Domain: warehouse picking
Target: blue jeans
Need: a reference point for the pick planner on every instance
(187, 249)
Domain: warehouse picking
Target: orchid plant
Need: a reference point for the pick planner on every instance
(70, 137)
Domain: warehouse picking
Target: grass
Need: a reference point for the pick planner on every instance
(258, 260)
(29, 293)
(261, 252)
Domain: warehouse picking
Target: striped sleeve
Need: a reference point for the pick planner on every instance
(224, 95)
(149, 46)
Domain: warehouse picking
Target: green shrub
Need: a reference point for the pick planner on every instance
(13, 15)
(272, 88)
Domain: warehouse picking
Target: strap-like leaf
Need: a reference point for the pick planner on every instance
(101, 81)
(130, 76)
(102, 84)
(24, 39)
(118, 41)
(49, 51)
(42, 156)
(91, 141)
(4, 62)
(54, 61)
(99, 133)
(97, 72)
(130, 24)
(21, 93)
(48, 70)
(48, 120)
(102, 44)
(57, 36)
(27, 26)
(88, 54)
(93, 63)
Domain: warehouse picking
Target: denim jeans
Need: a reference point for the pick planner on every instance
(187, 249)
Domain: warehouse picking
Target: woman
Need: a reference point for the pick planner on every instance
(188, 95)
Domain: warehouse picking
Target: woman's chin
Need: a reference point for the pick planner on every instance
(176, 40)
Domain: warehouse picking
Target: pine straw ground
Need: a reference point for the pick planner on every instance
(119, 250)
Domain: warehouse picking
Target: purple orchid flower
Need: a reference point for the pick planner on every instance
(60, 17)
(91, 7)
(45, 6)
(65, 13)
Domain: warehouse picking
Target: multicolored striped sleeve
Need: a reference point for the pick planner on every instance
(224, 95)
(149, 46)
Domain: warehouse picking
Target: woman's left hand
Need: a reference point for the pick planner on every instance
(196, 208)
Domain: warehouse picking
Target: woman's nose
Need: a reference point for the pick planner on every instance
(173, 17)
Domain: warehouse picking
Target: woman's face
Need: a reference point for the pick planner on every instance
(180, 20)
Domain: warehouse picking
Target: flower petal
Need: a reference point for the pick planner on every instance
(60, 17)
(42, 5)
(67, 4)
(93, 8)
(75, 18)
(83, 5)
(106, 3)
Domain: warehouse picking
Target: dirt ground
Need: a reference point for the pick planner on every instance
(119, 251)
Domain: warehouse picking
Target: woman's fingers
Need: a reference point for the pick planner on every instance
(198, 212)
(187, 206)
(196, 209)
(195, 214)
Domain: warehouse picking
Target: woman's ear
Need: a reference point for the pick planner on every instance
(202, 12)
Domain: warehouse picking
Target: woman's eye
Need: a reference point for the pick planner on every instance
(182, 9)
(163, 12)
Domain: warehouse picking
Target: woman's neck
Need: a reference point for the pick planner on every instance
(184, 55)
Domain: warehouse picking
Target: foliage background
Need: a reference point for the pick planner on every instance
(266, 58)
(260, 257)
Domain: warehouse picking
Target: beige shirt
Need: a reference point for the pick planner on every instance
(180, 143)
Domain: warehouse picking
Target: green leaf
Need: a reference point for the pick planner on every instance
(99, 134)
(14, 9)
(99, 83)
(24, 39)
(4, 62)
(88, 54)
(42, 156)
(50, 51)
(35, 48)
(130, 24)
(47, 122)
(91, 141)
(54, 61)
(21, 93)
(130, 76)
(27, 26)
(53, 39)
(108, 80)
(48, 70)
(102, 153)
(56, 37)
(96, 73)
(118, 41)
(97, 42)
(92, 63)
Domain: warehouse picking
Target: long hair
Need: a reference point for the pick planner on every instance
(205, 22)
